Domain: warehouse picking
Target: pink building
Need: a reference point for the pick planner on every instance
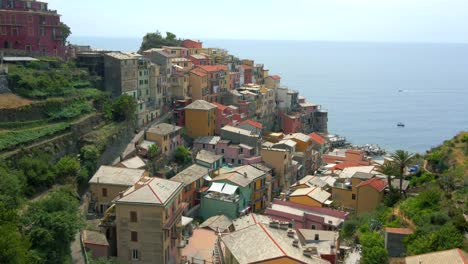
(199, 59)
(227, 115)
(307, 217)
(237, 155)
(351, 156)
(192, 44)
(290, 123)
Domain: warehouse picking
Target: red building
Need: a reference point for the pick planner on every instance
(192, 44)
(199, 59)
(179, 111)
(30, 27)
(247, 73)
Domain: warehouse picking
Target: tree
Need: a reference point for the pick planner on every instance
(156, 40)
(11, 187)
(402, 160)
(68, 166)
(66, 31)
(153, 152)
(182, 155)
(124, 108)
(373, 248)
(389, 169)
(39, 172)
(13, 245)
(52, 223)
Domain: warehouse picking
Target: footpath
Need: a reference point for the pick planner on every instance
(77, 253)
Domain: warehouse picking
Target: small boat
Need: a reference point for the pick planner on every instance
(400, 91)
(400, 124)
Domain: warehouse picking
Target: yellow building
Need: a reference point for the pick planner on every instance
(281, 161)
(312, 196)
(304, 145)
(355, 193)
(370, 194)
(108, 182)
(147, 221)
(168, 137)
(265, 242)
(198, 85)
(200, 119)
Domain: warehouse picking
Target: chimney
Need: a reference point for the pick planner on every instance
(245, 174)
(121, 194)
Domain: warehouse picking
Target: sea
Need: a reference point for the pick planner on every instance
(367, 87)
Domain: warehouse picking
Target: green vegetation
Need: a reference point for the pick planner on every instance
(16, 137)
(402, 159)
(182, 155)
(52, 224)
(46, 78)
(120, 109)
(156, 40)
(74, 110)
(437, 221)
(65, 30)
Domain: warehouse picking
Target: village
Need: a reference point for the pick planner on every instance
(262, 180)
(181, 153)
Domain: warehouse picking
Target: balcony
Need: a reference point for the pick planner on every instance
(176, 215)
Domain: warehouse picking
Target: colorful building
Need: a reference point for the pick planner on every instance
(108, 182)
(194, 179)
(273, 81)
(252, 184)
(270, 242)
(349, 155)
(218, 81)
(362, 192)
(227, 115)
(29, 27)
(151, 210)
(281, 161)
(199, 59)
(200, 119)
(309, 217)
(312, 196)
(192, 44)
(198, 85)
(168, 137)
(237, 154)
(303, 145)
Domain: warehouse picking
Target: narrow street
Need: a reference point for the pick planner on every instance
(131, 146)
(76, 250)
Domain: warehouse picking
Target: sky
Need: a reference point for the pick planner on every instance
(323, 20)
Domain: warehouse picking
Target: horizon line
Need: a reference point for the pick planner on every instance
(304, 40)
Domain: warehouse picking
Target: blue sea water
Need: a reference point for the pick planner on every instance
(366, 87)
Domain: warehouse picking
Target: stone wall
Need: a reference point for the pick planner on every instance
(4, 84)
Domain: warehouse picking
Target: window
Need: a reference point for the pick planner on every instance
(213, 147)
(353, 196)
(316, 236)
(313, 227)
(42, 31)
(30, 31)
(239, 161)
(222, 151)
(203, 146)
(134, 236)
(104, 192)
(14, 31)
(133, 217)
(135, 254)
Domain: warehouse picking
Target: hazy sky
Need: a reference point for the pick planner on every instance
(355, 20)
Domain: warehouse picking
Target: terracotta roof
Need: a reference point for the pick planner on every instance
(213, 68)
(275, 77)
(317, 138)
(198, 72)
(376, 183)
(404, 231)
(344, 165)
(252, 123)
(220, 106)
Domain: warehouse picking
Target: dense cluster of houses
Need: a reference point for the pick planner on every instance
(267, 183)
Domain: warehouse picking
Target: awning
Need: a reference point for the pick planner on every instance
(186, 220)
(229, 189)
(207, 178)
(216, 187)
(328, 202)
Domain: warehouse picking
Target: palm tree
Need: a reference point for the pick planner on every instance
(402, 159)
(389, 169)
